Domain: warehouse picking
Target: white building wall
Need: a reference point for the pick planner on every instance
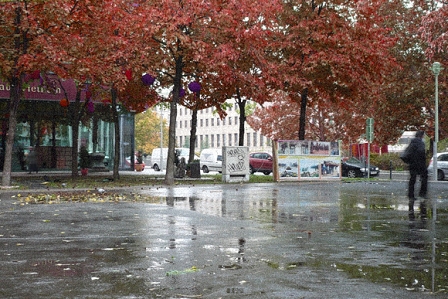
(212, 132)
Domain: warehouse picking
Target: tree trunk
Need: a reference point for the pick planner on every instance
(95, 132)
(242, 106)
(54, 154)
(117, 142)
(303, 104)
(76, 117)
(194, 124)
(169, 176)
(20, 48)
(15, 96)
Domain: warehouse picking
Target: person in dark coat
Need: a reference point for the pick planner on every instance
(417, 167)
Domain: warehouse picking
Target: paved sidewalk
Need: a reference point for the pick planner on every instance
(286, 240)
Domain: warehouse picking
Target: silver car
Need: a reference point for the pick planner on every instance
(442, 166)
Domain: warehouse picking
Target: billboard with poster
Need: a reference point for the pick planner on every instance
(309, 159)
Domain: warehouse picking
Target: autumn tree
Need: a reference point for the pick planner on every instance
(433, 31)
(405, 93)
(88, 42)
(175, 34)
(332, 57)
(147, 131)
(19, 28)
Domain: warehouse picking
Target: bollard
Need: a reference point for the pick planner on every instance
(390, 171)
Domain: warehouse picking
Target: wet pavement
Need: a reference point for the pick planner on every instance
(279, 240)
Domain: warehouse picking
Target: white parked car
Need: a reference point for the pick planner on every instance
(159, 156)
(211, 160)
(442, 166)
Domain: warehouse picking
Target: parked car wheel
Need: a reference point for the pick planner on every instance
(156, 167)
(266, 172)
(252, 170)
(440, 175)
(351, 174)
(205, 169)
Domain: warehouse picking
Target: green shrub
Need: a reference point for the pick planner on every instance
(384, 161)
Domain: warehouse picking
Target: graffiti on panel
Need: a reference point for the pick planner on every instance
(236, 159)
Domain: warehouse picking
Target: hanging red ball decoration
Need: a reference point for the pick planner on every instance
(194, 86)
(148, 80)
(64, 103)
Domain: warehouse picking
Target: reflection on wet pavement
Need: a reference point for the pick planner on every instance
(366, 236)
(269, 241)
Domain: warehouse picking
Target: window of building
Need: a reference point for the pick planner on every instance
(236, 120)
(180, 124)
(236, 138)
(202, 122)
(212, 122)
(180, 141)
(223, 139)
(261, 140)
(224, 121)
(218, 141)
(212, 140)
(217, 121)
(230, 121)
(206, 122)
(230, 139)
(186, 123)
(180, 111)
(248, 139)
(255, 139)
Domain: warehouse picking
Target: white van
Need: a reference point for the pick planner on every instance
(159, 157)
(211, 160)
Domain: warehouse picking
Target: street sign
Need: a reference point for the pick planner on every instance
(369, 129)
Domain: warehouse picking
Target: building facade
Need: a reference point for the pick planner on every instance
(214, 132)
(43, 123)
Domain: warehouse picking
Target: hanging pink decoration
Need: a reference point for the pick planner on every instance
(148, 80)
(181, 93)
(90, 107)
(194, 86)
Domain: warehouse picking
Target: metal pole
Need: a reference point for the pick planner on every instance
(436, 128)
(161, 138)
(436, 68)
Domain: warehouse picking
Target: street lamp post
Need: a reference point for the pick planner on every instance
(161, 138)
(436, 68)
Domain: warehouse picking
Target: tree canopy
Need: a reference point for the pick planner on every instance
(316, 68)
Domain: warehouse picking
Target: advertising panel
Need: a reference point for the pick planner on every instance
(309, 159)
